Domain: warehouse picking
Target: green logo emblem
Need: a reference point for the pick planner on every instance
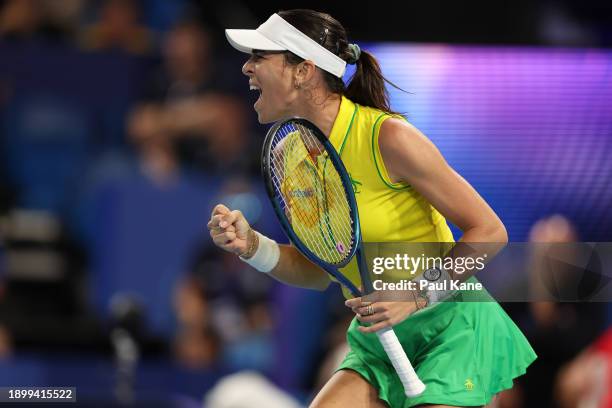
(356, 185)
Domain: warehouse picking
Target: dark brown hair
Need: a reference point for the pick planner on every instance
(367, 85)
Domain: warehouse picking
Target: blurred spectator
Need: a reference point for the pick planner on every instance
(210, 134)
(586, 382)
(49, 19)
(193, 66)
(254, 348)
(239, 309)
(118, 28)
(162, 134)
(556, 330)
(63, 17)
(187, 68)
(147, 133)
(19, 19)
(207, 122)
(196, 343)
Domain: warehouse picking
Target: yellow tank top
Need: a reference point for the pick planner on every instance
(388, 212)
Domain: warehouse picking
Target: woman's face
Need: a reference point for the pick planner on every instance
(271, 76)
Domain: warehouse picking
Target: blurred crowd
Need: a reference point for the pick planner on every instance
(82, 210)
(120, 127)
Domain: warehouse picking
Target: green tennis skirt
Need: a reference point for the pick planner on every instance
(465, 351)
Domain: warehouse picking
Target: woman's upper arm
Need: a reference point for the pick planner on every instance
(411, 157)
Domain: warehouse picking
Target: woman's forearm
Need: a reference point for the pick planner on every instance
(493, 233)
(294, 269)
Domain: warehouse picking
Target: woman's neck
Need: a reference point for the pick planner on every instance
(322, 110)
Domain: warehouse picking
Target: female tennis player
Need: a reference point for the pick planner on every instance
(465, 352)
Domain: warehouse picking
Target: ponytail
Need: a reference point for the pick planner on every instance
(367, 85)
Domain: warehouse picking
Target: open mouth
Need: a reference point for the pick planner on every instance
(257, 89)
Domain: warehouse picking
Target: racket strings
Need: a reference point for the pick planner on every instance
(311, 193)
(300, 216)
(328, 199)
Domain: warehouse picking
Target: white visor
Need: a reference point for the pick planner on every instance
(277, 34)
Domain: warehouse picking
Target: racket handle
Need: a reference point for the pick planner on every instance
(413, 386)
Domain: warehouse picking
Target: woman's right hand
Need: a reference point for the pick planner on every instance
(229, 230)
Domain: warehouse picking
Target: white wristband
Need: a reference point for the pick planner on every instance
(267, 254)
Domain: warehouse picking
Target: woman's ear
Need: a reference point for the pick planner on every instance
(304, 73)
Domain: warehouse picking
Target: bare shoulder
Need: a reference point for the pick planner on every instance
(396, 133)
(402, 144)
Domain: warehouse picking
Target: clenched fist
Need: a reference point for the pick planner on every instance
(230, 230)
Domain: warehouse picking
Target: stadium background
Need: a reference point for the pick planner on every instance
(122, 122)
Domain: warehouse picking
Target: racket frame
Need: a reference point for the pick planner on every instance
(332, 155)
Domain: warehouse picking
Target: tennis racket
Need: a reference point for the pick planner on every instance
(313, 197)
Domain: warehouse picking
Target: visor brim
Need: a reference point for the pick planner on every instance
(249, 40)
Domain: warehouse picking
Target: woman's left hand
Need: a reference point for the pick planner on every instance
(383, 314)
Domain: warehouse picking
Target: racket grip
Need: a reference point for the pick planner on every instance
(413, 386)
